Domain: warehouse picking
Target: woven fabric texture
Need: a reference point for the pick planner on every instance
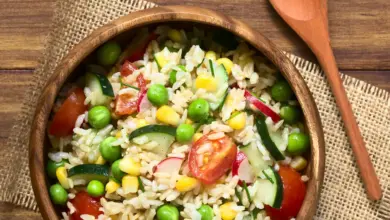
(343, 195)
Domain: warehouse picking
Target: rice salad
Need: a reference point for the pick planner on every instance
(177, 125)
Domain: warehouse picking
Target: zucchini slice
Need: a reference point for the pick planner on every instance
(162, 135)
(222, 78)
(270, 191)
(255, 158)
(88, 172)
(100, 87)
(262, 129)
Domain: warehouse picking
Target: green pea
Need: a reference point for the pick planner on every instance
(109, 53)
(206, 212)
(52, 166)
(109, 152)
(116, 172)
(158, 94)
(99, 117)
(58, 194)
(198, 110)
(290, 114)
(298, 143)
(167, 212)
(281, 91)
(95, 188)
(184, 132)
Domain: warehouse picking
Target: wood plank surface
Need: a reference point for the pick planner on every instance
(359, 29)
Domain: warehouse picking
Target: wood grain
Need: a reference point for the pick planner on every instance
(358, 29)
(23, 27)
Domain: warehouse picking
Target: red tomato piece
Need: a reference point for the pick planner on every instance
(127, 68)
(138, 54)
(294, 191)
(125, 105)
(66, 116)
(85, 204)
(210, 159)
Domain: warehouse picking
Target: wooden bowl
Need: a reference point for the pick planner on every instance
(186, 16)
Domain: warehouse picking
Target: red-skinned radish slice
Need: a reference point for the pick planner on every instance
(143, 102)
(243, 169)
(261, 106)
(169, 165)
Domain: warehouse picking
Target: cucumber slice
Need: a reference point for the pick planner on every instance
(270, 191)
(266, 139)
(88, 172)
(222, 78)
(100, 87)
(162, 135)
(255, 158)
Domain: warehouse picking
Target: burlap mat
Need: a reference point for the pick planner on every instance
(343, 195)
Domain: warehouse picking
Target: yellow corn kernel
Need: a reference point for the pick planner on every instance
(141, 123)
(174, 35)
(189, 121)
(118, 134)
(185, 184)
(206, 82)
(237, 121)
(112, 186)
(130, 184)
(197, 136)
(227, 213)
(62, 176)
(167, 115)
(298, 163)
(227, 63)
(160, 59)
(211, 55)
(100, 160)
(129, 166)
(114, 217)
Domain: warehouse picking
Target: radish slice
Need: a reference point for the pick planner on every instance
(143, 102)
(169, 165)
(261, 106)
(243, 169)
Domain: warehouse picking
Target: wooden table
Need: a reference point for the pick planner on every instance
(359, 29)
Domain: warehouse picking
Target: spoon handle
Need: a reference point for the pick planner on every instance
(328, 62)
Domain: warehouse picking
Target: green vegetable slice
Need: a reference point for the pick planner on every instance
(266, 139)
(105, 85)
(270, 193)
(89, 172)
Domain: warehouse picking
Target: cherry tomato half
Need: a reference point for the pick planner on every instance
(294, 191)
(85, 204)
(127, 68)
(66, 116)
(210, 159)
(125, 104)
(138, 54)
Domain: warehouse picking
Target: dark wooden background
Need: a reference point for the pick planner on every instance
(359, 29)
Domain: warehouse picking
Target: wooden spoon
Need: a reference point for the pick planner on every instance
(309, 20)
